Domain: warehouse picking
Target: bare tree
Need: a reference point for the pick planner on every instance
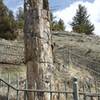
(38, 52)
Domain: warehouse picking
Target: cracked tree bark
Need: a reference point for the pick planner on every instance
(38, 52)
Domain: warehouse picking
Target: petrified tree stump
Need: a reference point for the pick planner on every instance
(38, 52)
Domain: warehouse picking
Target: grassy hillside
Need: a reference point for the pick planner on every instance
(83, 49)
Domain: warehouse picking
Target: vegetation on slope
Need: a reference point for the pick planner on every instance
(7, 23)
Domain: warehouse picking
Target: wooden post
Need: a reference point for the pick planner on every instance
(75, 89)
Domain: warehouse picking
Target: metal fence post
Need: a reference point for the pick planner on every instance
(65, 83)
(8, 93)
(50, 91)
(17, 89)
(25, 92)
(17, 95)
(8, 86)
(75, 89)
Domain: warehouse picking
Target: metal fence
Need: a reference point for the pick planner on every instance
(9, 92)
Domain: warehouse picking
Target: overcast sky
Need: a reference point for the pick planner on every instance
(66, 9)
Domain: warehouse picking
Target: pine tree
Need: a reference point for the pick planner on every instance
(20, 18)
(56, 25)
(81, 23)
(61, 25)
(7, 23)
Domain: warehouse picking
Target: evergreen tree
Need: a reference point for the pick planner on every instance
(52, 22)
(20, 18)
(61, 25)
(81, 23)
(57, 25)
(7, 22)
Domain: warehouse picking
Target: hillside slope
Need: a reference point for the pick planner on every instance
(74, 55)
(77, 49)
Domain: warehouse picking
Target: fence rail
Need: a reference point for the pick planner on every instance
(53, 95)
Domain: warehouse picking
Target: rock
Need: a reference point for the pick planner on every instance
(11, 52)
(80, 48)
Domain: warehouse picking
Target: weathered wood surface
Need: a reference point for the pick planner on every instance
(38, 52)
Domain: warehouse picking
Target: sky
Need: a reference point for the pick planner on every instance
(13, 4)
(66, 9)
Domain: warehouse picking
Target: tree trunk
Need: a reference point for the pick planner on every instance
(38, 52)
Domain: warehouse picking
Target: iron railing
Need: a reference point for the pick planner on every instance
(52, 95)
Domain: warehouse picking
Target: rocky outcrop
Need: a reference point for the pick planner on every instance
(11, 52)
(78, 49)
